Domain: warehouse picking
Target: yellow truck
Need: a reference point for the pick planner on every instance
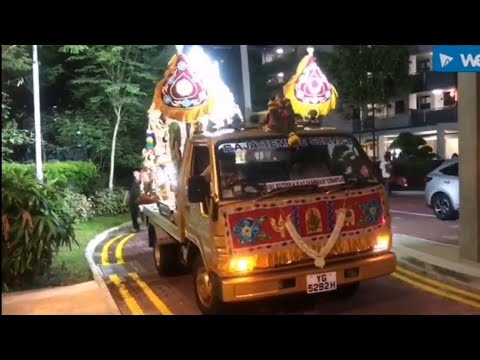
(256, 218)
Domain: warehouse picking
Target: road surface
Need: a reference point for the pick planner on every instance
(410, 216)
(127, 264)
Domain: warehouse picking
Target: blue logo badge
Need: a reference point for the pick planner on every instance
(453, 58)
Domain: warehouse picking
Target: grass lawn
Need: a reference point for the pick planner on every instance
(70, 265)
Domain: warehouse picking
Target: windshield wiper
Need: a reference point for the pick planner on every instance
(353, 183)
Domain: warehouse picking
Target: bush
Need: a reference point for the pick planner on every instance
(35, 225)
(78, 206)
(79, 176)
(109, 202)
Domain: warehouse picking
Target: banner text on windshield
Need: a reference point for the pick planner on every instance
(283, 143)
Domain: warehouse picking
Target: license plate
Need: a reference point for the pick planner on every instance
(321, 282)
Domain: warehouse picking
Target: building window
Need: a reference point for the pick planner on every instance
(424, 65)
(268, 57)
(424, 102)
(399, 107)
(448, 99)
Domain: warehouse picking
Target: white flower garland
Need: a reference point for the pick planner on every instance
(318, 256)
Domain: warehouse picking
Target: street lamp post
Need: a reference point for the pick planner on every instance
(246, 81)
(36, 105)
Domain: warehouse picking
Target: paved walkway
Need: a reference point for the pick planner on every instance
(88, 298)
(437, 260)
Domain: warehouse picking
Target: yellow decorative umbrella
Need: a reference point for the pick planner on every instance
(182, 94)
(309, 89)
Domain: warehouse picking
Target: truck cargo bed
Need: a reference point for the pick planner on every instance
(153, 216)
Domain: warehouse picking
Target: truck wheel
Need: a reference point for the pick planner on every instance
(347, 291)
(206, 295)
(166, 258)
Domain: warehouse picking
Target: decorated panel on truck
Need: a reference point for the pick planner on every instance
(260, 227)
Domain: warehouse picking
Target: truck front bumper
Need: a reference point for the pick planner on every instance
(288, 281)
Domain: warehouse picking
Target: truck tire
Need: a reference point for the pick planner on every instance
(206, 295)
(166, 258)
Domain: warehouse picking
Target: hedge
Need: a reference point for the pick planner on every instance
(79, 176)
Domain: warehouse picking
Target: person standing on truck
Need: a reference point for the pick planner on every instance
(132, 198)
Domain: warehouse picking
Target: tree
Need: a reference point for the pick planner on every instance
(15, 64)
(370, 74)
(413, 147)
(112, 76)
(13, 137)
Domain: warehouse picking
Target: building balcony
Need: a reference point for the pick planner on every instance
(436, 116)
(416, 118)
(430, 80)
(382, 123)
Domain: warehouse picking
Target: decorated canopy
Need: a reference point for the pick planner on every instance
(182, 94)
(309, 89)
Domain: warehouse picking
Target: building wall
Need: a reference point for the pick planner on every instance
(451, 146)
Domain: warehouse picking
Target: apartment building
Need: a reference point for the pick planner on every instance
(429, 111)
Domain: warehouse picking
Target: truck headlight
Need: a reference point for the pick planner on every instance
(242, 264)
(382, 243)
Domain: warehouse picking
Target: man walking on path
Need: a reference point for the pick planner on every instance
(131, 200)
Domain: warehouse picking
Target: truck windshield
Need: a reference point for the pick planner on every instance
(252, 167)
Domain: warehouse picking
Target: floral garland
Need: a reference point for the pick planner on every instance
(318, 256)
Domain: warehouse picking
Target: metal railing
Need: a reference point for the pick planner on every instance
(415, 118)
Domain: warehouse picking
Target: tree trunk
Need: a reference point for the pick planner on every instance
(112, 155)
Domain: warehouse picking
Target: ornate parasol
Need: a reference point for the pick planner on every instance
(182, 94)
(309, 89)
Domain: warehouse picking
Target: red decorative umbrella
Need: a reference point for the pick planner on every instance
(182, 94)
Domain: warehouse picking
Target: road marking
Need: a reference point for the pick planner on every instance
(159, 304)
(450, 237)
(439, 284)
(428, 241)
(412, 213)
(132, 304)
(435, 291)
(106, 247)
(119, 249)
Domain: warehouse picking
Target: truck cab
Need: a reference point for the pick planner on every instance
(255, 217)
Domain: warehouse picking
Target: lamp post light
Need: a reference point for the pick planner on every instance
(36, 105)
(246, 81)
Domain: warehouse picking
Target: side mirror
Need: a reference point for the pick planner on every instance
(198, 189)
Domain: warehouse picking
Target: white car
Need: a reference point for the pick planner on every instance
(442, 190)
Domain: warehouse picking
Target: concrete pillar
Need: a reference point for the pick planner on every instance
(469, 172)
(412, 101)
(413, 65)
(381, 148)
(441, 145)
